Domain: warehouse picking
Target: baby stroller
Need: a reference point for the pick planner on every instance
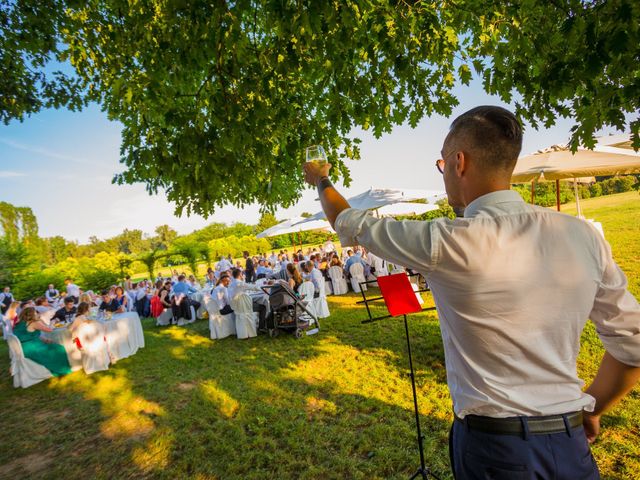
(288, 311)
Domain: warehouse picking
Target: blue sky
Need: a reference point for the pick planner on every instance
(60, 164)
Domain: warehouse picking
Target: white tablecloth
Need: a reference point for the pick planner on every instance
(123, 332)
(124, 335)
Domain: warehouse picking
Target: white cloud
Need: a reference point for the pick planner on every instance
(9, 174)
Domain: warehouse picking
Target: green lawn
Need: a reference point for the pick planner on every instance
(334, 405)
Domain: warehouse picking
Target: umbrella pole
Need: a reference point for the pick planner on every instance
(575, 190)
(533, 192)
(558, 194)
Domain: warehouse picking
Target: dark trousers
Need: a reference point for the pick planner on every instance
(262, 314)
(184, 309)
(226, 310)
(561, 456)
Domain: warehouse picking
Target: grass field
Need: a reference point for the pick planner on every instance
(336, 405)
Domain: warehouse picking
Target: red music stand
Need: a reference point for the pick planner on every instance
(400, 299)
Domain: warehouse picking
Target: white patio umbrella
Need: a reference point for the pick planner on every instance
(294, 225)
(559, 163)
(375, 198)
(405, 208)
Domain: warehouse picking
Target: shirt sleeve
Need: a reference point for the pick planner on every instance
(408, 243)
(616, 314)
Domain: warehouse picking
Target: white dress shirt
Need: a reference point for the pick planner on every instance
(73, 290)
(238, 286)
(316, 277)
(221, 294)
(514, 285)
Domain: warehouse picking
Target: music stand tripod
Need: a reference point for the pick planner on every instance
(400, 299)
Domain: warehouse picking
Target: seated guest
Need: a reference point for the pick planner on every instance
(122, 299)
(67, 313)
(52, 294)
(12, 313)
(165, 294)
(210, 281)
(295, 279)
(50, 355)
(180, 302)
(221, 294)
(81, 318)
(86, 297)
(141, 300)
(262, 270)
(6, 297)
(45, 311)
(238, 285)
(314, 275)
(73, 290)
(109, 303)
(193, 282)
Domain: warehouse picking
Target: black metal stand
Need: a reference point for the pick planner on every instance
(423, 471)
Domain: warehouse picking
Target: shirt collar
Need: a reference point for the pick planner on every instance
(490, 199)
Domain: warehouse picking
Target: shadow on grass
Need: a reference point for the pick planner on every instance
(186, 406)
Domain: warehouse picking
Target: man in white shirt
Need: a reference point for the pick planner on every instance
(223, 265)
(73, 290)
(314, 275)
(221, 294)
(514, 285)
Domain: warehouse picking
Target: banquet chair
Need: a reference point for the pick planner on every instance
(7, 327)
(340, 286)
(306, 291)
(25, 372)
(320, 305)
(167, 315)
(414, 284)
(328, 287)
(246, 318)
(220, 326)
(130, 302)
(95, 355)
(357, 275)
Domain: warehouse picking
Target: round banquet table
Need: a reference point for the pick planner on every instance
(123, 333)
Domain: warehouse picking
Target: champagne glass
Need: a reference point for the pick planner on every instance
(316, 153)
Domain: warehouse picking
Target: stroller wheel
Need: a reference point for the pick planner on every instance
(298, 333)
(273, 332)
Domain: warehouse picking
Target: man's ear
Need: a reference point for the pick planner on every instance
(461, 164)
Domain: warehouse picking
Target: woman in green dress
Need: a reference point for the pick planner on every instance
(50, 355)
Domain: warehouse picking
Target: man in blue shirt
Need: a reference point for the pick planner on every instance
(180, 302)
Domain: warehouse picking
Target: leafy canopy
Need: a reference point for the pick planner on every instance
(219, 99)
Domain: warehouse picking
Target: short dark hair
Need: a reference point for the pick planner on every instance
(180, 278)
(495, 133)
(236, 272)
(69, 300)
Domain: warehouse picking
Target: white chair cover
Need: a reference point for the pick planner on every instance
(25, 372)
(320, 305)
(246, 318)
(340, 286)
(7, 327)
(95, 355)
(414, 284)
(357, 275)
(306, 291)
(166, 316)
(220, 326)
(328, 287)
(130, 302)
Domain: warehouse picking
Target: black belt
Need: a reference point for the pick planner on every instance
(515, 425)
